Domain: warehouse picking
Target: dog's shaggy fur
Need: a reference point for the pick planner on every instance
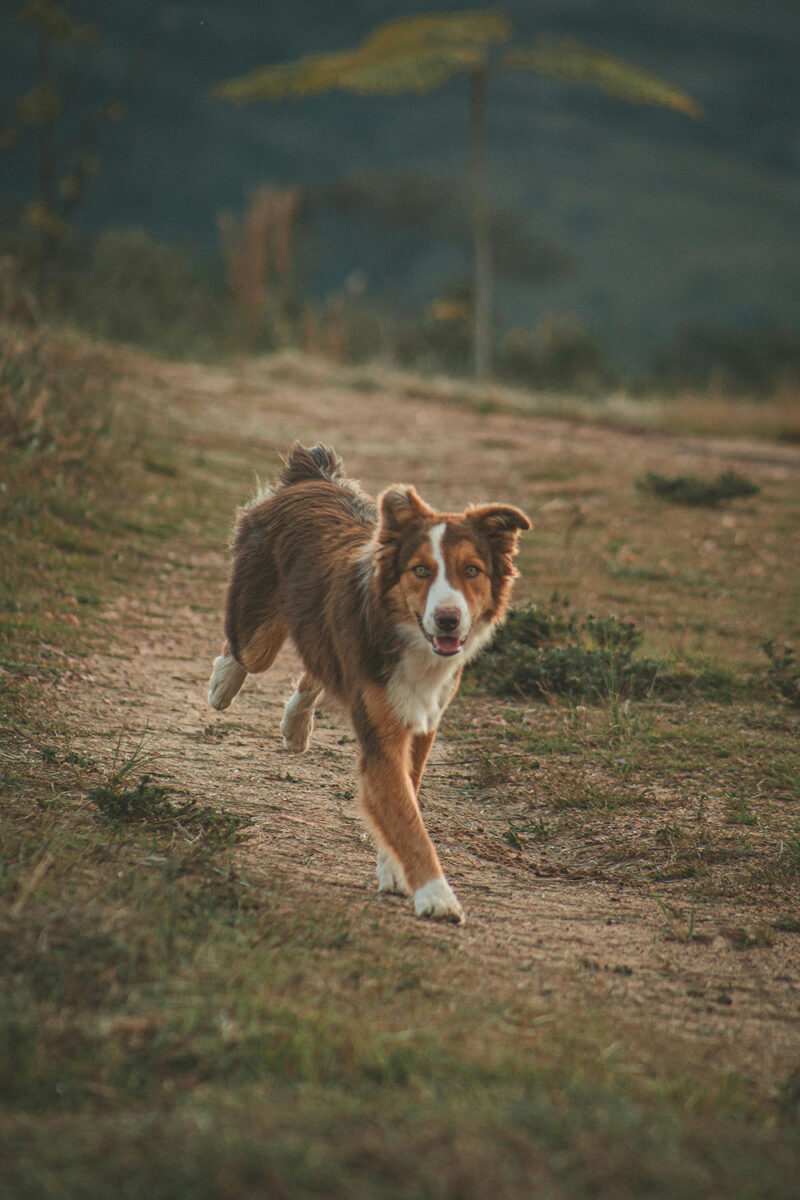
(385, 603)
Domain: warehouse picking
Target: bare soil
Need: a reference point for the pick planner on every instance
(530, 936)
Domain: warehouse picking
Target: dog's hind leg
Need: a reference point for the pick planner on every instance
(258, 654)
(227, 677)
(391, 876)
(298, 716)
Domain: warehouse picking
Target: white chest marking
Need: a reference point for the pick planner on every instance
(421, 685)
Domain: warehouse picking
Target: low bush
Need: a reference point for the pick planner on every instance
(784, 671)
(734, 361)
(699, 493)
(149, 804)
(545, 650)
(556, 357)
(147, 294)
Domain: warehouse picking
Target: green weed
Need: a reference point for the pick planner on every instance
(536, 830)
(784, 671)
(548, 652)
(149, 804)
(699, 493)
(544, 650)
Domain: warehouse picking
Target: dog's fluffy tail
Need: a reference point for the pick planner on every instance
(315, 462)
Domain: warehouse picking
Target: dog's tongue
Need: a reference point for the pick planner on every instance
(447, 645)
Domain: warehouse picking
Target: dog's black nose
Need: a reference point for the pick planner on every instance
(447, 619)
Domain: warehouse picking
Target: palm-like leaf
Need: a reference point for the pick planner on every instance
(573, 63)
(414, 54)
(417, 54)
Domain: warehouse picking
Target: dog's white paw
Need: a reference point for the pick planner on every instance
(437, 900)
(226, 679)
(297, 724)
(391, 878)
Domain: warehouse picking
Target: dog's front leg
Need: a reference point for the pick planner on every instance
(420, 749)
(389, 799)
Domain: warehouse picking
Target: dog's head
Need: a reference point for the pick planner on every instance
(448, 575)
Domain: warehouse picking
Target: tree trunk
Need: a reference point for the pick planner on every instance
(481, 240)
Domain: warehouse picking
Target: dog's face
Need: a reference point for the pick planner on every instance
(448, 576)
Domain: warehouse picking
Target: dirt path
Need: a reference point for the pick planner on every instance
(540, 939)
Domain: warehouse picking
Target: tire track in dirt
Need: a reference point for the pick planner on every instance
(543, 939)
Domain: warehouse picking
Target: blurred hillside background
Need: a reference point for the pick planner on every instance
(631, 242)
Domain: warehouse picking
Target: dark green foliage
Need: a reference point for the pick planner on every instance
(547, 651)
(54, 127)
(784, 671)
(149, 804)
(144, 293)
(729, 360)
(700, 493)
(438, 209)
(556, 357)
(433, 346)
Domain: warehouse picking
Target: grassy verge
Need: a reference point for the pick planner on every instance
(170, 1030)
(170, 1027)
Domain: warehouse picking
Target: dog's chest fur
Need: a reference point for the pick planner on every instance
(421, 686)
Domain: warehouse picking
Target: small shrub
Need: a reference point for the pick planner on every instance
(545, 651)
(558, 357)
(784, 671)
(147, 294)
(755, 361)
(701, 493)
(149, 804)
(435, 344)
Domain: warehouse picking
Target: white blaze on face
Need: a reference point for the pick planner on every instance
(442, 593)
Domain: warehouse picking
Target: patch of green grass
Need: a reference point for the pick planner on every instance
(149, 804)
(325, 1059)
(699, 493)
(645, 791)
(739, 812)
(517, 834)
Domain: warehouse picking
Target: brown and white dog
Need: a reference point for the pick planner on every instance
(385, 604)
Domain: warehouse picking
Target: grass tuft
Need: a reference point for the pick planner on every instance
(695, 492)
(149, 804)
(784, 671)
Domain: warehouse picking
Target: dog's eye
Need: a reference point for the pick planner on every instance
(472, 571)
(421, 571)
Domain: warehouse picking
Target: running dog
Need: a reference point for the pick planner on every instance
(385, 603)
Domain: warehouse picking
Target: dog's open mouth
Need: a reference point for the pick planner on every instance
(445, 645)
(442, 643)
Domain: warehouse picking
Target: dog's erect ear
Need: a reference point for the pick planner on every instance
(497, 519)
(399, 508)
(502, 526)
